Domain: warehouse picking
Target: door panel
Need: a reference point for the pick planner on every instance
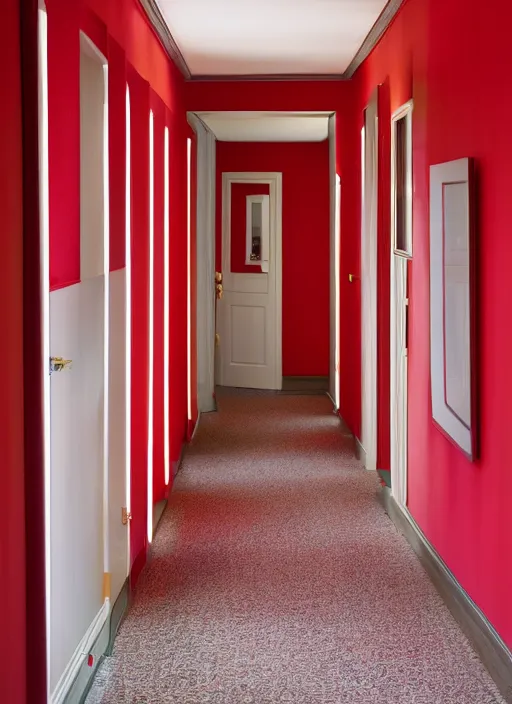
(77, 414)
(248, 315)
(399, 311)
(117, 532)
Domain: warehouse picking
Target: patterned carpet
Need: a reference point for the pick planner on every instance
(276, 577)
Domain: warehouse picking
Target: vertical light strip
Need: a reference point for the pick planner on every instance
(167, 460)
(44, 225)
(337, 229)
(128, 320)
(151, 321)
(189, 288)
(106, 322)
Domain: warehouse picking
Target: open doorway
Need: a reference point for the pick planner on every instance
(247, 143)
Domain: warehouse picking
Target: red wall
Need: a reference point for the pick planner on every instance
(121, 31)
(433, 53)
(12, 528)
(305, 169)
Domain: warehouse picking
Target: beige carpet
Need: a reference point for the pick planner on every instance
(277, 577)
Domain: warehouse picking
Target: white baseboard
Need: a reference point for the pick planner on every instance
(82, 651)
(360, 451)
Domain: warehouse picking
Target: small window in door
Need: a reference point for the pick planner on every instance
(402, 180)
(254, 229)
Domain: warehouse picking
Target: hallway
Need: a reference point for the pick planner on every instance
(276, 577)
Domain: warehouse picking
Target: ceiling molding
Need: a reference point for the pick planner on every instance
(372, 38)
(158, 23)
(270, 77)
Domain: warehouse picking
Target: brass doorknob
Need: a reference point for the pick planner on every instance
(57, 364)
(218, 277)
(219, 290)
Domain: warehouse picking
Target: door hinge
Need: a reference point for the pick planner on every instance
(125, 516)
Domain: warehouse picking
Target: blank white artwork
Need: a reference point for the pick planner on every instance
(450, 301)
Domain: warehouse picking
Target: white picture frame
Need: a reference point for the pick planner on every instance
(452, 317)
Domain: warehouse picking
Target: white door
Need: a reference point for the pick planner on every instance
(398, 378)
(249, 313)
(82, 318)
(369, 285)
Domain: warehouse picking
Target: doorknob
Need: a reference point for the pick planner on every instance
(219, 291)
(57, 364)
(218, 277)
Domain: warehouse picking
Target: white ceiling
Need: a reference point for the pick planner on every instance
(244, 37)
(267, 126)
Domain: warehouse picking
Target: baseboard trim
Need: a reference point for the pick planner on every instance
(66, 685)
(335, 409)
(360, 451)
(102, 646)
(493, 652)
(158, 510)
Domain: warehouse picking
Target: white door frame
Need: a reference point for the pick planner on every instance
(334, 267)
(398, 321)
(205, 301)
(369, 231)
(274, 180)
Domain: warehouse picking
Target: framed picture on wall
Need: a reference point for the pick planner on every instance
(452, 302)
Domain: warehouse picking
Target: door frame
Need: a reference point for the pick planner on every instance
(274, 179)
(369, 236)
(334, 267)
(205, 233)
(398, 316)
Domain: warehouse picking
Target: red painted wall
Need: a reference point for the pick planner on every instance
(305, 169)
(121, 31)
(12, 520)
(433, 53)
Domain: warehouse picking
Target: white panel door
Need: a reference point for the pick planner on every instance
(334, 256)
(249, 313)
(77, 426)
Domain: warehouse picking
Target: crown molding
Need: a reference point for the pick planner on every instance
(266, 77)
(158, 23)
(372, 38)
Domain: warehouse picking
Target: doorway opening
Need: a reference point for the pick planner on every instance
(264, 134)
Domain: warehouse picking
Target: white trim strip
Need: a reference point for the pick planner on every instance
(151, 322)
(167, 451)
(189, 286)
(44, 225)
